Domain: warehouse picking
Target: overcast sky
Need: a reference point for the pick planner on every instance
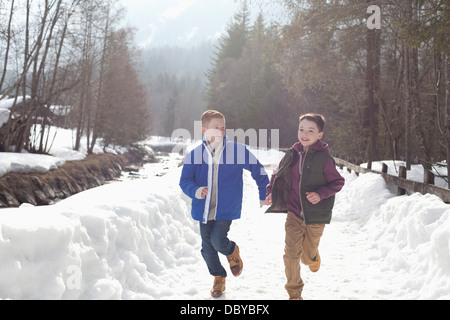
(178, 22)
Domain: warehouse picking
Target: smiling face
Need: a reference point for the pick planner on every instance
(214, 130)
(308, 133)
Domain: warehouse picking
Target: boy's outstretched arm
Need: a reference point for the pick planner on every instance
(259, 174)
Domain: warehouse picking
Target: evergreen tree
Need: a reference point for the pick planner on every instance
(389, 86)
(230, 48)
(246, 85)
(124, 110)
(237, 35)
(171, 111)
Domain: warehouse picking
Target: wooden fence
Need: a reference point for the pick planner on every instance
(401, 182)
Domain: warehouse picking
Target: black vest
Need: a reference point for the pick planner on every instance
(312, 179)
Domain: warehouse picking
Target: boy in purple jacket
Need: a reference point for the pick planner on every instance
(304, 185)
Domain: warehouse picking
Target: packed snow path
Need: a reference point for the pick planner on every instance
(377, 247)
(136, 240)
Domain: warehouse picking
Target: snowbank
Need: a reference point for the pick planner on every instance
(27, 163)
(406, 238)
(413, 240)
(101, 244)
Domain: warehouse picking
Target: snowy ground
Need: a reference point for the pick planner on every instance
(60, 146)
(135, 239)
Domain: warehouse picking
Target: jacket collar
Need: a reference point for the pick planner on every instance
(318, 146)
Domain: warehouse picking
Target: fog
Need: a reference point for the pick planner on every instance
(178, 22)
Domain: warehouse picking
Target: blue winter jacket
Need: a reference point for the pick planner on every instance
(198, 170)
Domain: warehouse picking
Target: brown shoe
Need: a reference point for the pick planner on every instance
(236, 264)
(316, 265)
(218, 288)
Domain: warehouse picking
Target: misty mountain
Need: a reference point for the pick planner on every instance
(179, 61)
(188, 23)
(178, 23)
(175, 80)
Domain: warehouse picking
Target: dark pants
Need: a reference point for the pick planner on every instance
(215, 240)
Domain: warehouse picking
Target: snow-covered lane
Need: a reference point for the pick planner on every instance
(136, 240)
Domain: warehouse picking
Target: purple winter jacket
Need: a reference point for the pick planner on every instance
(332, 176)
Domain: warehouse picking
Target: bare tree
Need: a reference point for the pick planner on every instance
(61, 49)
(373, 68)
(98, 109)
(7, 38)
(97, 18)
(50, 92)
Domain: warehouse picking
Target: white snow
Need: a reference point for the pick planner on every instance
(4, 116)
(27, 163)
(7, 103)
(135, 239)
(60, 142)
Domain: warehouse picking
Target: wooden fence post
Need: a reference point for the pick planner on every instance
(403, 185)
(428, 177)
(402, 174)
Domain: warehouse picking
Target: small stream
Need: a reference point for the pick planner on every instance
(167, 161)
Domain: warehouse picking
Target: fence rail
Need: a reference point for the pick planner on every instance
(401, 182)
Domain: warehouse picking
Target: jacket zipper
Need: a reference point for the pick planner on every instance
(217, 182)
(208, 197)
(302, 162)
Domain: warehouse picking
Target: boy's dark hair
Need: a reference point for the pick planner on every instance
(209, 115)
(315, 117)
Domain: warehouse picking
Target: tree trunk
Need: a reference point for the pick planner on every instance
(373, 87)
(407, 88)
(8, 44)
(98, 111)
(447, 114)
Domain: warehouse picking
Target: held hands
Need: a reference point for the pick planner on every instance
(202, 192)
(268, 200)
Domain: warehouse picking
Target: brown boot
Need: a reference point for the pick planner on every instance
(236, 264)
(316, 265)
(218, 288)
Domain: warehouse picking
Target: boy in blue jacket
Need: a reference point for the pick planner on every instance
(212, 177)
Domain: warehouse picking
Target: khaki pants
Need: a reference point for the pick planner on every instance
(302, 243)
